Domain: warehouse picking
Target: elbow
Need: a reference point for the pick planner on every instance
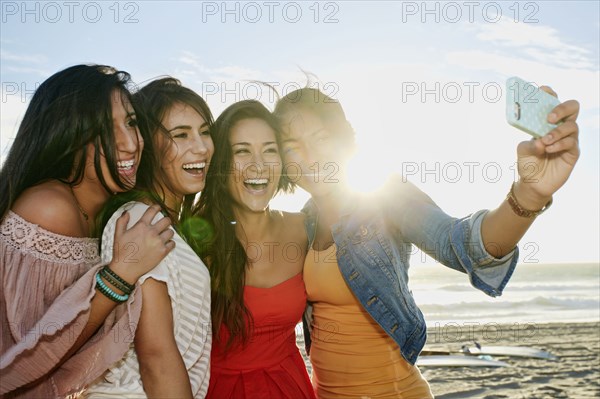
(156, 361)
(498, 251)
(152, 366)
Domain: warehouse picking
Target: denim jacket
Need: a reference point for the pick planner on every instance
(374, 237)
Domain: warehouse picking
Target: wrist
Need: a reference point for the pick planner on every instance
(522, 210)
(108, 291)
(527, 198)
(124, 272)
(112, 286)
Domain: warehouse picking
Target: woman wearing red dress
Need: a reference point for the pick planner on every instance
(255, 258)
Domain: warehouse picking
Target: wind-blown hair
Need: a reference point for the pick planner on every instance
(69, 110)
(153, 102)
(328, 110)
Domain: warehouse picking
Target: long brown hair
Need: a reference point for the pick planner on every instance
(224, 254)
(152, 102)
(70, 109)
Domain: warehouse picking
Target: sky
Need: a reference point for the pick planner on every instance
(422, 83)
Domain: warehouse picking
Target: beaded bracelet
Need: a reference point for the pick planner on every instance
(114, 282)
(107, 292)
(130, 287)
(519, 210)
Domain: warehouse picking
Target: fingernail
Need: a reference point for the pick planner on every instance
(548, 138)
(552, 117)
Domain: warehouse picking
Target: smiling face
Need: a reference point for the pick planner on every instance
(256, 164)
(129, 145)
(186, 152)
(313, 157)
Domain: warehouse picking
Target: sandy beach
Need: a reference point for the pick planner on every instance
(575, 375)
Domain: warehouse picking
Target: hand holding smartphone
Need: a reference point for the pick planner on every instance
(527, 107)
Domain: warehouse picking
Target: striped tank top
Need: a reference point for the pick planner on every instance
(188, 284)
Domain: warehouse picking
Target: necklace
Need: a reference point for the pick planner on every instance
(85, 215)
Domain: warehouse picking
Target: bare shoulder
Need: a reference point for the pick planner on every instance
(292, 218)
(292, 225)
(50, 205)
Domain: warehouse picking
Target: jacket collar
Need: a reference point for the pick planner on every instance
(347, 205)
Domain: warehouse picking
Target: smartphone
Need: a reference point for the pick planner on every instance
(527, 107)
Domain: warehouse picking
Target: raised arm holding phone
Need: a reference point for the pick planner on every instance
(363, 328)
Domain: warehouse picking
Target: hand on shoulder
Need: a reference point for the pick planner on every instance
(145, 240)
(136, 210)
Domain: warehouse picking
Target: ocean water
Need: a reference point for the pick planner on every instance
(536, 293)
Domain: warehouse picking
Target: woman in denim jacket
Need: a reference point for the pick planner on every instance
(363, 328)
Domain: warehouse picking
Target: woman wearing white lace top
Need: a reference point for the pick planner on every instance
(170, 352)
(77, 144)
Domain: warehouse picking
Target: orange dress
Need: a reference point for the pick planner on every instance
(351, 355)
(270, 365)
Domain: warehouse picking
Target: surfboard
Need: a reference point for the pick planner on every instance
(516, 351)
(513, 351)
(458, 361)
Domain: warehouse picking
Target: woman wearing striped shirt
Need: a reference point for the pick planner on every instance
(169, 355)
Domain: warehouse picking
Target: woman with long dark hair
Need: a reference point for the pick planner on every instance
(78, 144)
(170, 354)
(255, 260)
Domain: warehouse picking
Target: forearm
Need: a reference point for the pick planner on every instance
(502, 228)
(165, 376)
(147, 255)
(100, 308)
(162, 369)
(75, 334)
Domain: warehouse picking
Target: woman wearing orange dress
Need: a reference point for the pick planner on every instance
(255, 260)
(365, 327)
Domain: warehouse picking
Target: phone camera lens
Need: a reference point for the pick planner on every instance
(517, 111)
